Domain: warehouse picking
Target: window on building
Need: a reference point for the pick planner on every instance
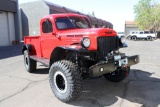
(47, 26)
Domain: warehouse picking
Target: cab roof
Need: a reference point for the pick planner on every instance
(63, 15)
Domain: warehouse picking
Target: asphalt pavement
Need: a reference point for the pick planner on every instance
(141, 88)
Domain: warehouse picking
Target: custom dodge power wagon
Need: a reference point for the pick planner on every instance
(74, 51)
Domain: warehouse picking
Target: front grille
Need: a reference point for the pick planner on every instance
(106, 45)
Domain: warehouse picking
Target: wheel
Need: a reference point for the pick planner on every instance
(65, 80)
(149, 38)
(117, 75)
(129, 38)
(30, 64)
(134, 38)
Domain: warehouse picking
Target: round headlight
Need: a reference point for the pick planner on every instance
(85, 42)
(123, 40)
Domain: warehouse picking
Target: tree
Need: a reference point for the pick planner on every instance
(156, 13)
(147, 15)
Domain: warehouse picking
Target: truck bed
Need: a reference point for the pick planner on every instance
(36, 42)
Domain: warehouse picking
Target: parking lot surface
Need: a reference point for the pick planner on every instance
(141, 88)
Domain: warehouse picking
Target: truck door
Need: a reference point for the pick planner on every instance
(47, 38)
(140, 35)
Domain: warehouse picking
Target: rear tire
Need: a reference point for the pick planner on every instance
(65, 80)
(30, 64)
(117, 76)
(134, 38)
(149, 38)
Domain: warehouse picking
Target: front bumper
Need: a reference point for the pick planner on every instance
(116, 61)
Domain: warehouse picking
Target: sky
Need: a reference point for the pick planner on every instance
(114, 11)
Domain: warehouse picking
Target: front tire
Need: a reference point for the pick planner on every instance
(117, 75)
(65, 80)
(30, 64)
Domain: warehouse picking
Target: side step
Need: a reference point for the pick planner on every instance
(41, 60)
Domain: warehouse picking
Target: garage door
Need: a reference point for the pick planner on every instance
(4, 36)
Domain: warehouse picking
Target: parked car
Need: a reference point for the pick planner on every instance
(147, 35)
(130, 35)
(73, 50)
(121, 34)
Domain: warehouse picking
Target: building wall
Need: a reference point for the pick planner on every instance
(9, 8)
(17, 22)
(31, 13)
(128, 30)
(4, 36)
(11, 27)
(8, 5)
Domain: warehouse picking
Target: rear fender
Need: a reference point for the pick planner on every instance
(30, 49)
(26, 47)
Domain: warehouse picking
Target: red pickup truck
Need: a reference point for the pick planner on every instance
(74, 51)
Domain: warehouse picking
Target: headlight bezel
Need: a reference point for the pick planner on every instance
(84, 41)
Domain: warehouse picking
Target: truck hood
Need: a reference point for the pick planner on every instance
(89, 31)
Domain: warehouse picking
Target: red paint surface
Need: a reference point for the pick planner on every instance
(44, 44)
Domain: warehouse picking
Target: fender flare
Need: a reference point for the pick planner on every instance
(26, 47)
(58, 53)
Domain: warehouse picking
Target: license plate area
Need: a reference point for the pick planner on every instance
(123, 62)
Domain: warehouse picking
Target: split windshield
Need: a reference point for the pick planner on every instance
(72, 23)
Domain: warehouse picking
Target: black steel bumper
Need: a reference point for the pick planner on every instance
(103, 67)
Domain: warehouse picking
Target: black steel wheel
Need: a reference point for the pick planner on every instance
(65, 80)
(117, 75)
(30, 64)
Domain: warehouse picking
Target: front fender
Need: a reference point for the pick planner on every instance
(59, 52)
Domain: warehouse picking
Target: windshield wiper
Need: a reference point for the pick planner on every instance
(71, 21)
(84, 20)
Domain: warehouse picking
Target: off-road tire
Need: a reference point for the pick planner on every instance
(149, 38)
(29, 63)
(71, 78)
(117, 75)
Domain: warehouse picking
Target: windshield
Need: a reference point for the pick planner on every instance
(72, 23)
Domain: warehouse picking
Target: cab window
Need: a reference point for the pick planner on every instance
(146, 32)
(47, 26)
(140, 32)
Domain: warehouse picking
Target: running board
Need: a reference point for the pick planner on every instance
(41, 60)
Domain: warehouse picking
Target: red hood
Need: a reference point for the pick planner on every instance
(93, 31)
(74, 36)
